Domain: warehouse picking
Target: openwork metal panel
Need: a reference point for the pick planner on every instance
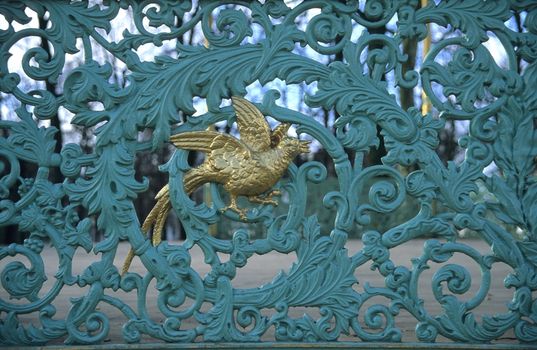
(498, 102)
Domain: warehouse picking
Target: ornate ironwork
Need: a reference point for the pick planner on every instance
(499, 103)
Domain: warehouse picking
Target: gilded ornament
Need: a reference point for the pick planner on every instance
(249, 166)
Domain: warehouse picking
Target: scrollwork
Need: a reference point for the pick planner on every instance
(17, 279)
(245, 43)
(327, 28)
(378, 317)
(469, 76)
(232, 24)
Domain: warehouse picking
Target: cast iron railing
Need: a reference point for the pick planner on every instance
(499, 103)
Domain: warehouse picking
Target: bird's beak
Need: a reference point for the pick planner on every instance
(305, 146)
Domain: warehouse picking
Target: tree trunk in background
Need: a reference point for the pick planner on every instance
(407, 95)
(10, 234)
(449, 147)
(55, 174)
(147, 165)
(374, 157)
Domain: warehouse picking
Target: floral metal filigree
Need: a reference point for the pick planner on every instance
(261, 42)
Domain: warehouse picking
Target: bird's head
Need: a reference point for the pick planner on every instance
(295, 146)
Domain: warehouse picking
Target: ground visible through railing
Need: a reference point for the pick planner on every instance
(262, 269)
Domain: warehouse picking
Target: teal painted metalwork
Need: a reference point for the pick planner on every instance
(500, 105)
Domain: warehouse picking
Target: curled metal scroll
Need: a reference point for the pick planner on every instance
(498, 102)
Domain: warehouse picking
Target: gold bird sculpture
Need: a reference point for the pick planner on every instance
(249, 166)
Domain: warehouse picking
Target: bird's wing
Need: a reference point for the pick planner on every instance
(278, 134)
(253, 127)
(207, 141)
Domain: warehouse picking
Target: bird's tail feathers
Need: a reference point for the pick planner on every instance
(157, 216)
(160, 221)
(157, 219)
(162, 197)
(128, 261)
(164, 192)
(193, 179)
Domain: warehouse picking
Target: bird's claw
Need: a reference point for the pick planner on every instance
(270, 201)
(263, 200)
(240, 212)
